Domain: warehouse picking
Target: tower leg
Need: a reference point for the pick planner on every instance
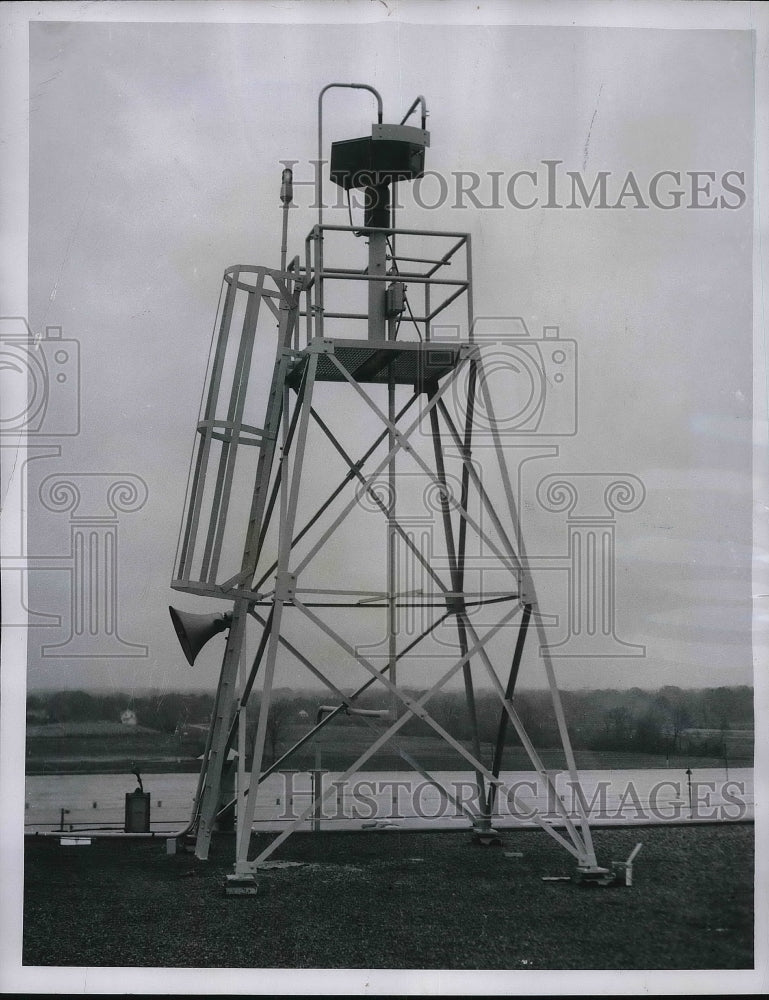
(456, 603)
(528, 597)
(499, 748)
(283, 592)
(392, 539)
(221, 729)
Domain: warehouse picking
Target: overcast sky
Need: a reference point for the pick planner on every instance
(155, 156)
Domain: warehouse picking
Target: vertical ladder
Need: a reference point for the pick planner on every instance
(226, 702)
(289, 307)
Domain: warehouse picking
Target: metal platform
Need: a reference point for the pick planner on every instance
(403, 362)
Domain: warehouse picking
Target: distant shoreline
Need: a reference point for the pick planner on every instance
(586, 760)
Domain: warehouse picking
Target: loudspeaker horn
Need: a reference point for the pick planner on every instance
(194, 631)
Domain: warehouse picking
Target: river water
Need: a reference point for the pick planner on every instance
(379, 799)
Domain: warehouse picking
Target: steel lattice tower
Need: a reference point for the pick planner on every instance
(243, 540)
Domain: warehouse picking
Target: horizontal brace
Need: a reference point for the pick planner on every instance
(364, 316)
(414, 279)
(381, 607)
(418, 260)
(263, 599)
(324, 590)
(384, 596)
(242, 286)
(200, 587)
(216, 591)
(235, 431)
(345, 270)
(333, 315)
(441, 233)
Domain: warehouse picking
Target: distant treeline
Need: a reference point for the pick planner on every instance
(663, 721)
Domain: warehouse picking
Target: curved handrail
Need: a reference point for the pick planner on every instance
(319, 165)
(418, 100)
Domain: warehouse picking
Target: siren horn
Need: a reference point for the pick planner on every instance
(194, 631)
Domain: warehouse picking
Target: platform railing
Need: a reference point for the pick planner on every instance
(438, 290)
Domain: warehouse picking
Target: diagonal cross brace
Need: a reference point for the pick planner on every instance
(415, 707)
(473, 474)
(348, 702)
(401, 444)
(334, 493)
(401, 438)
(527, 744)
(355, 470)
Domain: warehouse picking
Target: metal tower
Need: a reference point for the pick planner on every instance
(359, 343)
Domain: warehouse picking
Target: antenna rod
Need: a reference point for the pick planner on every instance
(286, 196)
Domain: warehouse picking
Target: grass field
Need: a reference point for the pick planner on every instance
(395, 900)
(105, 748)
